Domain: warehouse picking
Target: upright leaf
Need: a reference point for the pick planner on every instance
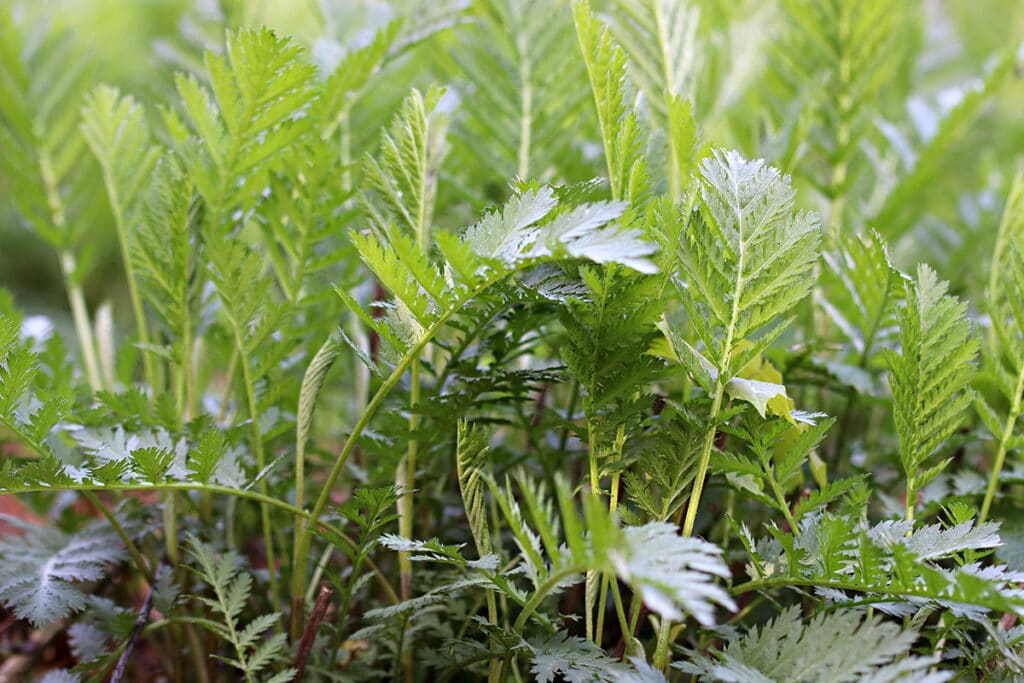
(929, 376)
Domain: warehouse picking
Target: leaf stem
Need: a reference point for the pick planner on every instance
(133, 290)
(1004, 440)
(405, 481)
(133, 551)
(304, 534)
(80, 315)
(257, 444)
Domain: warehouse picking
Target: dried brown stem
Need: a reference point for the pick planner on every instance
(316, 617)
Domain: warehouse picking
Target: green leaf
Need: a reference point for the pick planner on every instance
(42, 571)
(930, 376)
(403, 176)
(746, 258)
(673, 574)
(832, 647)
(471, 462)
(620, 128)
(114, 125)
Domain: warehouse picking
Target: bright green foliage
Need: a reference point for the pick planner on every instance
(251, 114)
(746, 259)
(829, 648)
(471, 462)
(1003, 354)
(517, 57)
(541, 284)
(833, 63)
(860, 300)
(231, 587)
(116, 130)
(659, 38)
(40, 138)
(620, 128)
(404, 177)
(162, 250)
(929, 376)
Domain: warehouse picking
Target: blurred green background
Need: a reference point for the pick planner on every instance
(140, 44)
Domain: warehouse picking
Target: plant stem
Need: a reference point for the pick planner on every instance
(133, 290)
(494, 669)
(405, 481)
(133, 551)
(171, 527)
(613, 504)
(323, 601)
(703, 463)
(592, 585)
(1004, 440)
(660, 659)
(76, 299)
(526, 101)
(83, 328)
(303, 535)
(620, 612)
(911, 502)
(257, 445)
(780, 497)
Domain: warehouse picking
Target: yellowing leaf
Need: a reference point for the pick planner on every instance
(764, 396)
(760, 383)
(819, 469)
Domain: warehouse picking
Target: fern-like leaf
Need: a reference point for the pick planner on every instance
(1002, 351)
(929, 377)
(835, 647)
(746, 257)
(259, 87)
(471, 462)
(41, 572)
(620, 129)
(231, 585)
(403, 176)
(673, 574)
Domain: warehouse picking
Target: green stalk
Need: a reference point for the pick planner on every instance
(911, 502)
(675, 182)
(303, 534)
(494, 669)
(613, 504)
(840, 170)
(405, 481)
(1004, 440)
(526, 105)
(257, 444)
(83, 328)
(780, 497)
(405, 477)
(170, 515)
(76, 299)
(133, 290)
(661, 651)
(592, 585)
(704, 462)
(620, 612)
(132, 549)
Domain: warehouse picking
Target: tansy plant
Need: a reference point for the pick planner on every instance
(517, 339)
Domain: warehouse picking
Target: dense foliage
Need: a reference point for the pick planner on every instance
(634, 340)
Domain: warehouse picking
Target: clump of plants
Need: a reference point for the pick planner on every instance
(517, 340)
